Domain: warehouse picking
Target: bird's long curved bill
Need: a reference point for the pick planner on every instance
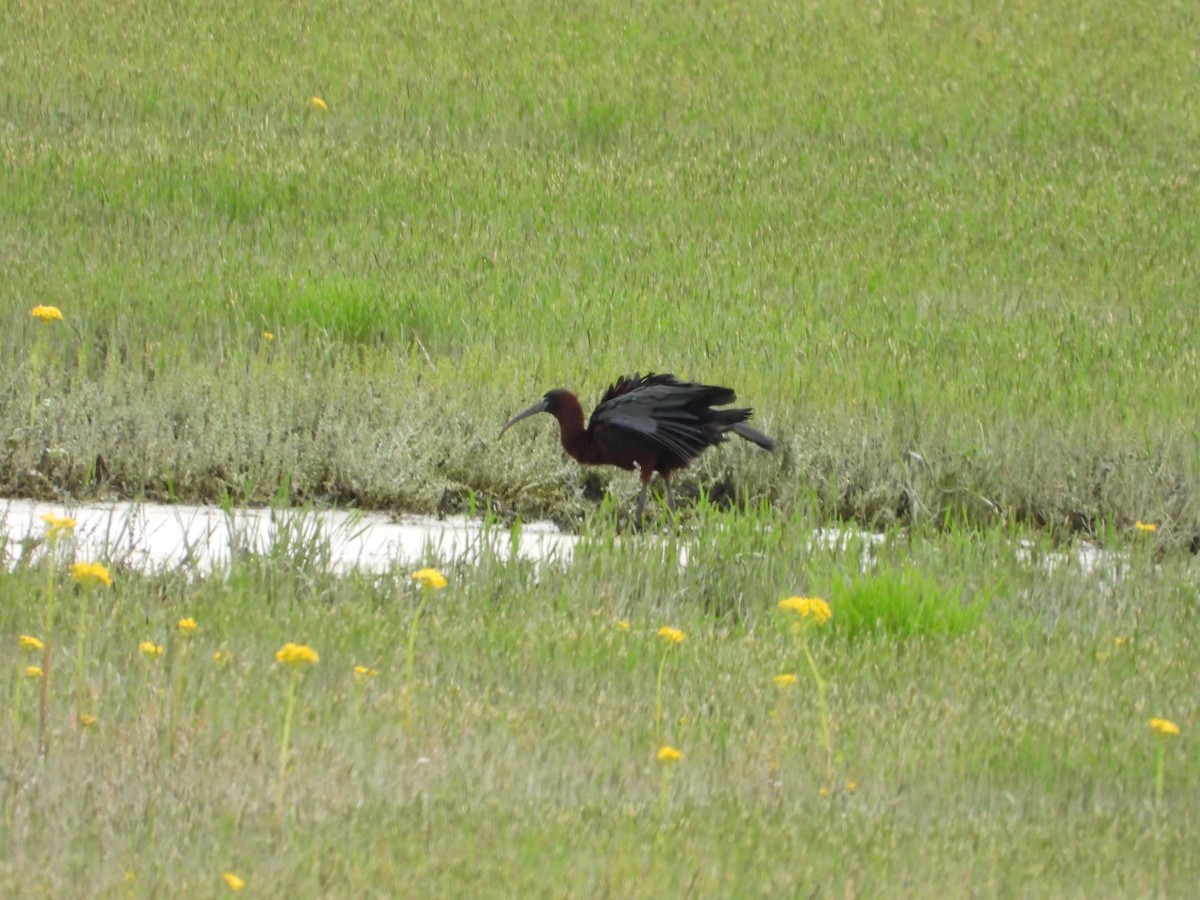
(538, 407)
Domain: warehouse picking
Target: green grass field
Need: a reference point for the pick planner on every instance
(946, 253)
(894, 230)
(987, 727)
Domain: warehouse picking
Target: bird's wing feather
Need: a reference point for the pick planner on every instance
(680, 441)
(656, 411)
(627, 384)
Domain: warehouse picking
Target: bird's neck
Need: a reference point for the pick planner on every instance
(574, 437)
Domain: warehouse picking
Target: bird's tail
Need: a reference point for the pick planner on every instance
(741, 429)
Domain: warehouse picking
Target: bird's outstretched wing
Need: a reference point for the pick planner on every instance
(663, 410)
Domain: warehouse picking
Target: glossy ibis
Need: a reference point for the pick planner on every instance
(655, 424)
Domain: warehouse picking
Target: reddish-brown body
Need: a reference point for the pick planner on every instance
(653, 424)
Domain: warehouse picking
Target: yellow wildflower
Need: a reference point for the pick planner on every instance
(150, 650)
(33, 672)
(297, 655)
(91, 573)
(318, 103)
(29, 642)
(669, 754)
(786, 680)
(430, 579)
(221, 657)
(234, 883)
(622, 625)
(268, 336)
(1165, 727)
(1145, 527)
(851, 786)
(671, 635)
(188, 625)
(824, 792)
(87, 721)
(56, 525)
(362, 674)
(808, 606)
(47, 313)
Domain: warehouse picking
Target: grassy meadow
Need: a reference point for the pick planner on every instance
(948, 254)
(948, 257)
(987, 727)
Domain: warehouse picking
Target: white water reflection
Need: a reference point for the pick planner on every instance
(1088, 558)
(150, 537)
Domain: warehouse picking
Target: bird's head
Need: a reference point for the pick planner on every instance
(551, 403)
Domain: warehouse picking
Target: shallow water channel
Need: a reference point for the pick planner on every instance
(150, 537)
(155, 537)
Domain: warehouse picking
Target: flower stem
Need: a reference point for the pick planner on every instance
(662, 800)
(35, 366)
(81, 688)
(16, 705)
(409, 661)
(776, 760)
(175, 713)
(658, 704)
(283, 744)
(43, 748)
(823, 707)
(1158, 775)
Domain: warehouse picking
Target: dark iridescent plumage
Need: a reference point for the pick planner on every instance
(655, 424)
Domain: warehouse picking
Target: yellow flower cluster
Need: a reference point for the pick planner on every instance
(90, 574)
(1145, 527)
(786, 680)
(297, 655)
(671, 635)
(56, 525)
(188, 625)
(232, 881)
(29, 642)
(1165, 727)
(430, 579)
(669, 754)
(33, 672)
(47, 313)
(150, 650)
(362, 674)
(815, 607)
(318, 103)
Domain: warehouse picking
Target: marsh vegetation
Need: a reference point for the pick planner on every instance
(947, 254)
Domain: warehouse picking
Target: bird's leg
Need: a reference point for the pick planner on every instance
(641, 504)
(646, 475)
